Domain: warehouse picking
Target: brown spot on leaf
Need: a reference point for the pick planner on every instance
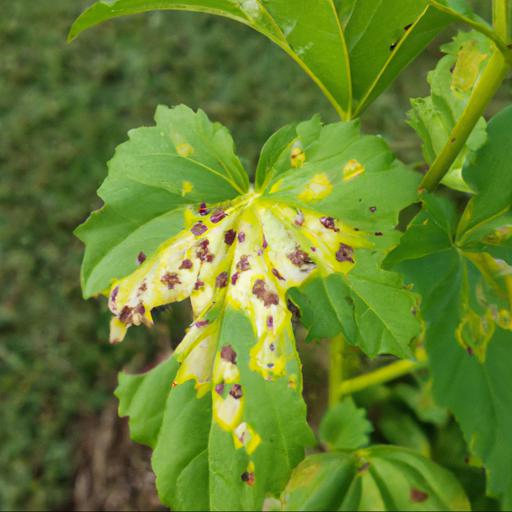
(218, 215)
(228, 354)
(329, 223)
(278, 275)
(373, 209)
(248, 478)
(345, 253)
(270, 322)
(299, 219)
(379, 233)
(236, 391)
(219, 388)
(266, 296)
(203, 210)
(299, 257)
(141, 258)
(113, 295)
(222, 280)
(198, 285)
(418, 496)
(186, 264)
(241, 237)
(229, 237)
(201, 323)
(198, 228)
(203, 251)
(363, 468)
(170, 279)
(234, 278)
(243, 264)
(126, 315)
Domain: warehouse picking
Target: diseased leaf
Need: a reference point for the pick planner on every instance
(467, 307)
(322, 54)
(376, 478)
(236, 375)
(182, 160)
(345, 427)
(452, 83)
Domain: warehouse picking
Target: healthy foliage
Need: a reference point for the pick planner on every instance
(181, 220)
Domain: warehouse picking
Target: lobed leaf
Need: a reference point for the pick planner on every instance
(236, 375)
(465, 278)
(376, 478)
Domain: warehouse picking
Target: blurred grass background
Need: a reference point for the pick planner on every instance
(63, 109)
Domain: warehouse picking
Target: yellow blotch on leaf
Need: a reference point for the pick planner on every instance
(186, 188)
(184, 149)
(276, 186)
(468, 66)
(297, 155)
(319, 187)
(352, 169)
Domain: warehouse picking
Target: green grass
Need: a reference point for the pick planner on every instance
(63, 109)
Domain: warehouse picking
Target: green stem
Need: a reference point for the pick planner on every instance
(380, 376)
(500, 16)
(485, 89)
(335, 368)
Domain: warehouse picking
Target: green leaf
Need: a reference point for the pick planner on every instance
(182, 160)
(236, 375)
(488, 214)
(345, 426)
(322, 54)
(377, 478)
(467, 309)
(362, 46)
(369, 306)
(452, 83)
(382, 38)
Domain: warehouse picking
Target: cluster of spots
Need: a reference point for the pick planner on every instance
(245, 255)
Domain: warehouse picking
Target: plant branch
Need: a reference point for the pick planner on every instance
(484, 91)
(383, 375)
(336, 347)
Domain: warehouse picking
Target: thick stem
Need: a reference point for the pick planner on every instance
(500, 16)
(485, 89)
(335, 368)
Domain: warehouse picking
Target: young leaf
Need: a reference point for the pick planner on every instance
(345, 427)
(376, 478)
(467, 306)
(452, 83)
(293, 26)
(236, 374)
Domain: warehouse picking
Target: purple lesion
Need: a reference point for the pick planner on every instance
(278, 275)
(243, 263)
(218, 215)
(229, 237)
(300, 258)
(345, 253)
(199, 228)
(222, 280)
(236, 391)
(263, 293)
(203, 251)
(170, 279)
(186, 264)
(329, 223)
(228, 354)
